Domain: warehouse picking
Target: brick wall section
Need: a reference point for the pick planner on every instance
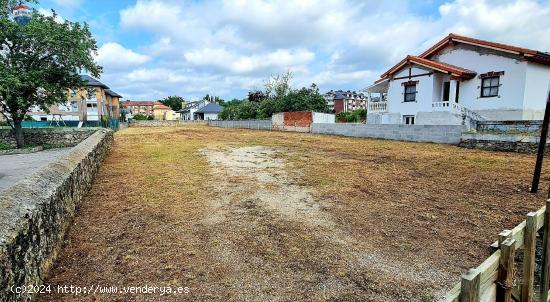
(298, 119)
(416, 133)
(52, 136)
(35, 213)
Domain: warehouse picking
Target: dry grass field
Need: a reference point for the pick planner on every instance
(244, 215)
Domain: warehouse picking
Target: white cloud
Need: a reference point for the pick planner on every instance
(113, 56)
(50, 13)
(155, 16)
(524, 23)
(225, 60)
(226, 47)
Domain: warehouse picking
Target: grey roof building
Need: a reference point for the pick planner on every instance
(112, 93)
(93, 82)
(210, 108)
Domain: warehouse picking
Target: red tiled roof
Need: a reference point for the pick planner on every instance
(161, 107)
(21, 6)
(528, 54)
(463, 39)
(442, 67)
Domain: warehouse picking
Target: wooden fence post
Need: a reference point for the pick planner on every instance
(505, 234)
(505, 279)
(545, 278)
(530, 245)
(470, 286)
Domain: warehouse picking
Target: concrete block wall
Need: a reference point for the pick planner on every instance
(438, 118)
(160, 123)
(52, 136)
(245, 124)
(35, 214)
(449, 134)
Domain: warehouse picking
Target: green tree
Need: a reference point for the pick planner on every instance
(356, 116)
(278, 97)
(39, 63)
(305, 99)
(278, 86)
(230, 109)
(173, 102)
(213, 99)
(140, 117)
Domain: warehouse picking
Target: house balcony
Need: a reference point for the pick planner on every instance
(378, 107)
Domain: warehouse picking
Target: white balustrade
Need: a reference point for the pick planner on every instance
(378, 107)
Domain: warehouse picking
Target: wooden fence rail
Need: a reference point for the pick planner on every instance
(496, 279)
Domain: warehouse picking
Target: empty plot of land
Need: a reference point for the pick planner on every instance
(15, 167)
(269, 216)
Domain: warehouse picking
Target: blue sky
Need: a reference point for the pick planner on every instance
(151, 49)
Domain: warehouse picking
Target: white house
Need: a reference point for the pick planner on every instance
(188, 111)
(461, 79)
(208, 112)
(200, 110)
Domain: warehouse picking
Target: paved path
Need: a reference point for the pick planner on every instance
(15, 167)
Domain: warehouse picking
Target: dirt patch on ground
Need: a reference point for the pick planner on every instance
(254, 215)
(277, 202)
(273, 190)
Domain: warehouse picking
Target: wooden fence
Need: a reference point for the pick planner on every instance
(500, 277)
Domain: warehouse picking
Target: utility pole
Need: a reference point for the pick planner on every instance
(542, 145)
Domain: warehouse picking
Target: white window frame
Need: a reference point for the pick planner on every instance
(409, 119)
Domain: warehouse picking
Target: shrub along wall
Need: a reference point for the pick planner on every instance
(35, 214)
(66, 137)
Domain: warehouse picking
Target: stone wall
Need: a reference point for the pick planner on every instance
(66, 137)
(417, 133)
(509, 126)
(159, 123)
(247, 124)
(521, 143)
(35, 213)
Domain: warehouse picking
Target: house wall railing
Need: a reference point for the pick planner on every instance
(510, 274)
(378, 107)
(447, 106)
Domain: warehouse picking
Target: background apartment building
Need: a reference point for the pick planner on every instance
(87, 103)
(344, 101)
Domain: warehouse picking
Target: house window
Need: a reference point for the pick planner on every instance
(408, 119)
(410, 93)
(489, 86)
